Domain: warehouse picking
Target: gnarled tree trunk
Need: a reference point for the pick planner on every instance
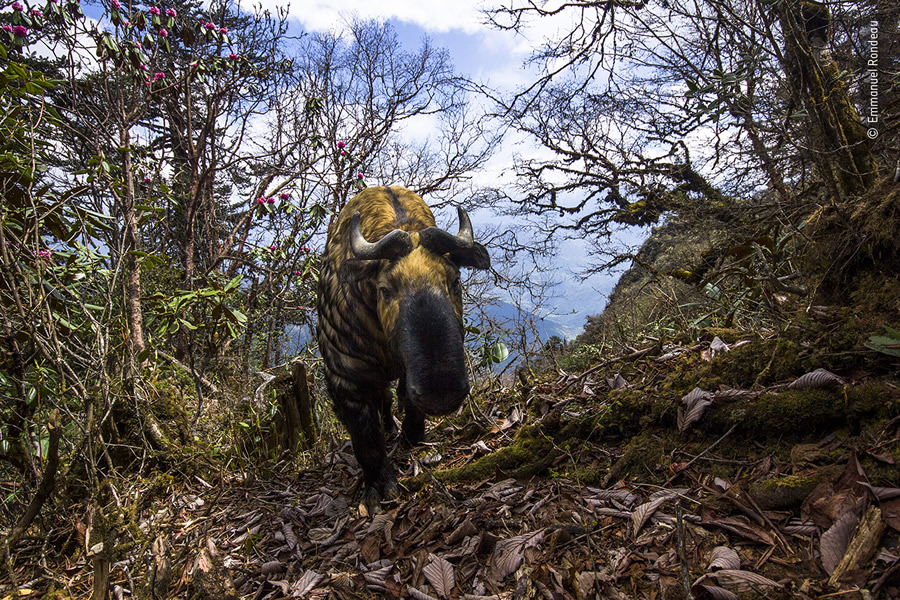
(838, 138)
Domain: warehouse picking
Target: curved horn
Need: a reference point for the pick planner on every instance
(465, 227)
(393, 245)
(461, 247)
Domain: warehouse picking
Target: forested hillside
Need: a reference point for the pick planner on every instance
(728, 427)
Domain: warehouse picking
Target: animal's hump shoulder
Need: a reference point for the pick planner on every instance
(412, 212)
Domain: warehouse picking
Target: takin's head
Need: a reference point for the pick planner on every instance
(419, 304)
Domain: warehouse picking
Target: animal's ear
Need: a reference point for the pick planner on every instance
(475, 257)
(355, 269)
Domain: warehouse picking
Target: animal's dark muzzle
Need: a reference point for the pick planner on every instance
(431, 344)
(440, 401)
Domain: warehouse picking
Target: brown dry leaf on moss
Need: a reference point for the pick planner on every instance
(695, 404)
(816, 379)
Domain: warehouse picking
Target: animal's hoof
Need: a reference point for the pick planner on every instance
(375, 495)
(413, 434)
(390, 426)
(391, 489)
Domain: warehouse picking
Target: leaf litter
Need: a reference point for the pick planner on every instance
(546, 535)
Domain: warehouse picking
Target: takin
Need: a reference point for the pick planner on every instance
(390, 308)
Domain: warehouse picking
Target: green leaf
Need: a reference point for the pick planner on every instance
(884, 344)
(189, 325)
(499, 352)
(235, 316)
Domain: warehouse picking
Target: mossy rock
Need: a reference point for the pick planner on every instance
(644, 458)
(530, 454)
(794, 414)
(789, 492)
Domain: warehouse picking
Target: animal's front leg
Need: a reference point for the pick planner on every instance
(387, 417)
(413, 429)
(363, 421)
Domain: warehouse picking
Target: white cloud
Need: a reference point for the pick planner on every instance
(435, 16)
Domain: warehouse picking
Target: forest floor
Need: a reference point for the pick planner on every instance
(566, 486)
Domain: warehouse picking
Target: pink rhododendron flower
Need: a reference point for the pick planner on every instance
(159, 76)
(20, 30)
(147, 179)
(270, 200)
(143, 67)
(163, 33)
(17, 6)
(6, 28)
(154, 10)
(223, 30)
(273, 247)
(44, 254)
(260, 200)
(170, 12)
(35, 12)
(284, 196)
(341, 145)
(138, 46)
(210, 25)
(360, 175)
(115, 4)
(233, 56)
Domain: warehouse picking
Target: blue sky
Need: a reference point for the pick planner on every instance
(491, 57)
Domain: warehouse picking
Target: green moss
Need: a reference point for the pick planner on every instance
(789, 492)
(643, 458)
(530, 454)
(727, 335)
(593, 475)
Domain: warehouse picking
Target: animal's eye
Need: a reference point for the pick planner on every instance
(456, 285)
(386, 293)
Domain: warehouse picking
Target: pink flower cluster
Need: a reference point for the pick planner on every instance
(115, 4)
(44, 254)
(262, 200)
(154, 10)
(284, 196)
(170, 12)
(20, 30)
(16, 6)
(159, 76)
(163, 33)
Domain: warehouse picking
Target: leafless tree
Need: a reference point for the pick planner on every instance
(651, 108)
